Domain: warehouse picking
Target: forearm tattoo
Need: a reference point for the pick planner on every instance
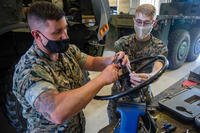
(45, 103)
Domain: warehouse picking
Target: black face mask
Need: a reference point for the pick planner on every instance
(59, 46)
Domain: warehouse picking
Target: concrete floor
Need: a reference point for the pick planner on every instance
(95, 111)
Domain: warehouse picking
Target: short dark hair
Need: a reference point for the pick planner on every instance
(43, 11)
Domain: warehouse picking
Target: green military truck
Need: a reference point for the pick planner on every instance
(178, 26)
(84, 25)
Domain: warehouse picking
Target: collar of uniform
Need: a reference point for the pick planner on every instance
(144, 42)
(40, 52)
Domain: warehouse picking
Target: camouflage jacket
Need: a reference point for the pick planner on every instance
(135, 49)
(36, 73)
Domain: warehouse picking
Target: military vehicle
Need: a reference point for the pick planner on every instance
(87, 28)
(178, 26)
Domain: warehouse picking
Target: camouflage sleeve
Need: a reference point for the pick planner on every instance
(80, 56)
(160, 48)
(38, 81)
(37, 89)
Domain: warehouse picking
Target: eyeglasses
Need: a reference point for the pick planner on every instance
(140, 22)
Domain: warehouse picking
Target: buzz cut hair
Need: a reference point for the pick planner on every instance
(41, 11)
(147, 9)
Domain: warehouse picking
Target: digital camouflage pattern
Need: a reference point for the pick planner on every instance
(36, 73)
(135, 49)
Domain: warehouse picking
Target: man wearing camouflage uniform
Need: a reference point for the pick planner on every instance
(48, 81)
(140, 44)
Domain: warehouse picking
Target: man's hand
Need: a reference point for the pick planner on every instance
(110, 74)
(138, 78)
(122, 58)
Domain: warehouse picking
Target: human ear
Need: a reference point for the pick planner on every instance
(35, 34)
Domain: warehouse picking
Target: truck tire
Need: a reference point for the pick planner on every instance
(194, 45)
(13, 111)
(178, 47)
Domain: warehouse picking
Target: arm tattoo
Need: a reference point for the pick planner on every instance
(45, 103)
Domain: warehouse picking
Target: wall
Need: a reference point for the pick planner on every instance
(129, 6)
(122, 5)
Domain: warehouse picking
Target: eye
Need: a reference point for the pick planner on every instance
(138, 21)
(143, 22)
(56, 33)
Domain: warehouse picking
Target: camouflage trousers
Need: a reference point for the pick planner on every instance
(113, 115)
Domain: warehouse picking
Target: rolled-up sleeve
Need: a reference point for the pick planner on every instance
(36, 89)
(36, 82)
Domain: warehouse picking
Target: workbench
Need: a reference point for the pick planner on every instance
(163, 116)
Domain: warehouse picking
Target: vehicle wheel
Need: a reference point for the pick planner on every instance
(194, 45)
(13, 111)
(178, 47)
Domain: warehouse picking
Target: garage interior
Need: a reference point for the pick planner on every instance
(96, 110)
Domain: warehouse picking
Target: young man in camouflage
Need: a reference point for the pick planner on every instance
(140, 44)
(48, 81)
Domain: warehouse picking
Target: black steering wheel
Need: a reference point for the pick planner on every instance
(129, 89)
